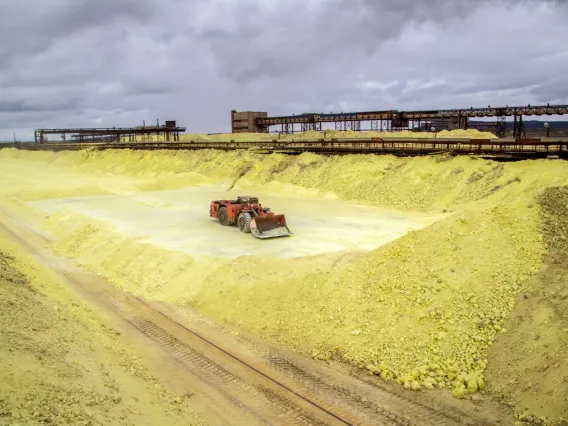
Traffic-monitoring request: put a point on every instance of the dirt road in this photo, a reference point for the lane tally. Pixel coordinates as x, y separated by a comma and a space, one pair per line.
241, 381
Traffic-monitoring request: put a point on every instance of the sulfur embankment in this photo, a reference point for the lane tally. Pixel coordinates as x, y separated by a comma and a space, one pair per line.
423, 310
529, 365
62, 364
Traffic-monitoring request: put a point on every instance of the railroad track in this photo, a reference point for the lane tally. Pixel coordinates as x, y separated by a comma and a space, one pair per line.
285, 393
263, 395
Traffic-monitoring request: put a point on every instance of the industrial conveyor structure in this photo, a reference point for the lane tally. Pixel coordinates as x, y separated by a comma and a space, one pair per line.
169, 130
499, 148
394, 120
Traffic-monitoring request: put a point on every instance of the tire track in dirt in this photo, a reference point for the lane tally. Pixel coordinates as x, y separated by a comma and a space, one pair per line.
256, 399
414, 413
266, 394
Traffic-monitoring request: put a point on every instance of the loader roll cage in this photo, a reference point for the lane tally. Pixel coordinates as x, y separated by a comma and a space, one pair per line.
247, 200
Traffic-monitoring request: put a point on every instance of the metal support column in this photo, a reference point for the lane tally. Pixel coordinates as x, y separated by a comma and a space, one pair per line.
518, 127
500, 127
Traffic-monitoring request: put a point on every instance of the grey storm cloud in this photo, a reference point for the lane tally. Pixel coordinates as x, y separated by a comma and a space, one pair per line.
114, 63
30, 26
298, 37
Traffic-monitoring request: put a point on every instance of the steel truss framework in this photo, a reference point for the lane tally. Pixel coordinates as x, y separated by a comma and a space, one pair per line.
390, 120
115, 134
354, 125
306, 127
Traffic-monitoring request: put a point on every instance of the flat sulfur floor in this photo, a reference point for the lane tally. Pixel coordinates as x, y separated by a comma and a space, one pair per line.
179, 220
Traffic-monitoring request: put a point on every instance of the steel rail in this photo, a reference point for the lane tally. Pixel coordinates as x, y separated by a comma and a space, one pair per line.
244, 363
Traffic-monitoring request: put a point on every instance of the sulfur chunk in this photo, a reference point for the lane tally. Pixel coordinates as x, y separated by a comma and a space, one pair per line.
429, 385
458, 393
472, 384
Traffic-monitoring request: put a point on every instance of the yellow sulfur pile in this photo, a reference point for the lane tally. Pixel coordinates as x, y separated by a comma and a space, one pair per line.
422, 310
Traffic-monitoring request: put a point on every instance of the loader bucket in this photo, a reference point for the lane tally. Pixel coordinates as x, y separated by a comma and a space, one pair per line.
269, 227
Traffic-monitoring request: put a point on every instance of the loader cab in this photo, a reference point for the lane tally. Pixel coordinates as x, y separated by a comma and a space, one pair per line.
247, 200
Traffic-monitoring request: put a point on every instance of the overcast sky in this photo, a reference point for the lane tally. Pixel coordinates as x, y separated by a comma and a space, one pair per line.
84, 63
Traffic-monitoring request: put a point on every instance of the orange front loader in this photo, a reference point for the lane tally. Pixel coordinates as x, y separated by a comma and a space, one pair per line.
249, 215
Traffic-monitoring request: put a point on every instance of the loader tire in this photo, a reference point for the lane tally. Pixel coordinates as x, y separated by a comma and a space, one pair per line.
244, 222
223, 216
